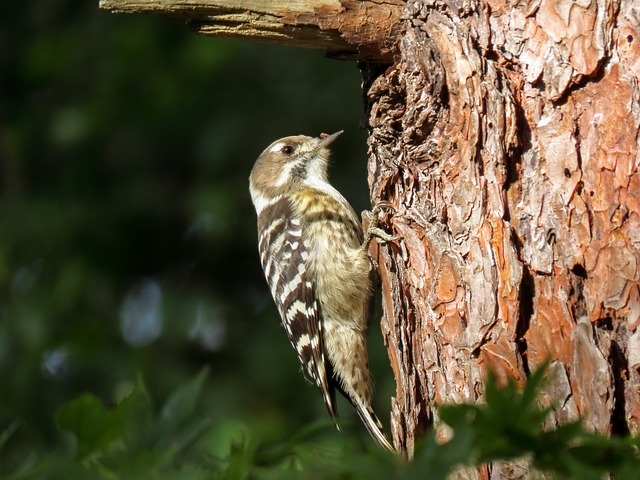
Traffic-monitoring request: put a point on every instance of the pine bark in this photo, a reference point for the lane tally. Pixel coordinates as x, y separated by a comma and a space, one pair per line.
506, 137
349, 29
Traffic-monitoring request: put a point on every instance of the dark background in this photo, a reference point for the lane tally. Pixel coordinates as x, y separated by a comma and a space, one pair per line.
127, 235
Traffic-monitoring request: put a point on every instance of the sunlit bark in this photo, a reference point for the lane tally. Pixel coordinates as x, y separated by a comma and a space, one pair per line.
506, 137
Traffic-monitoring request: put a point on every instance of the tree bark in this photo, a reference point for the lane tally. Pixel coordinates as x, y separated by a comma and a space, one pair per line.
506, 137
354, 29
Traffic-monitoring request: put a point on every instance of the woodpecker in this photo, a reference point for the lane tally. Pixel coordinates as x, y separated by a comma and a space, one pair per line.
314, 256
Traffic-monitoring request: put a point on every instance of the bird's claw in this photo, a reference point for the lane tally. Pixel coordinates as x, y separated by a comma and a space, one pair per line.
374, 231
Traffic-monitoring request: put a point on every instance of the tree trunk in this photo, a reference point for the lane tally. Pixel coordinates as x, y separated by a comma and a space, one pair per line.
506, 137
507, 141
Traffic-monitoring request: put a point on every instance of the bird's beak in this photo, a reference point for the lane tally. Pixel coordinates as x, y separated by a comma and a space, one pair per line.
328, 140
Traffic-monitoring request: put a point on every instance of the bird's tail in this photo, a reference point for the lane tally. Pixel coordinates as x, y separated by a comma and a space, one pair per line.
373, 425
329, 396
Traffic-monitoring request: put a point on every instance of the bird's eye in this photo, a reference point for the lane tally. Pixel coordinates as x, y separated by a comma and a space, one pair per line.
287, 150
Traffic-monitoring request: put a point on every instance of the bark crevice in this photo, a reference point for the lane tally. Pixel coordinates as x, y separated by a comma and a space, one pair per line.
526, 297
620, 369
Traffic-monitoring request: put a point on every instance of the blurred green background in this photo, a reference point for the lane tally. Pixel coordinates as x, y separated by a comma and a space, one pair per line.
127, 235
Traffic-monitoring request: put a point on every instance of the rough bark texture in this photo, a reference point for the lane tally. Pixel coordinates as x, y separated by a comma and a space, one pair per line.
506, 136
356, 29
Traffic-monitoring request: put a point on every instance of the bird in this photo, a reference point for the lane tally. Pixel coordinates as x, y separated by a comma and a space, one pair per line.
314, 254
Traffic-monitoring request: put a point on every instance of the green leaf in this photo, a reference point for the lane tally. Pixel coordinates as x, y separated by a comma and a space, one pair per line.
8, 432
535, 383
98, 429
86, 418
239, 461
181, 404
178, 409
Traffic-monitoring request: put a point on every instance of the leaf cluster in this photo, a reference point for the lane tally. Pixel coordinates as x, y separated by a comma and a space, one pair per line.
129, 440
509, 426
